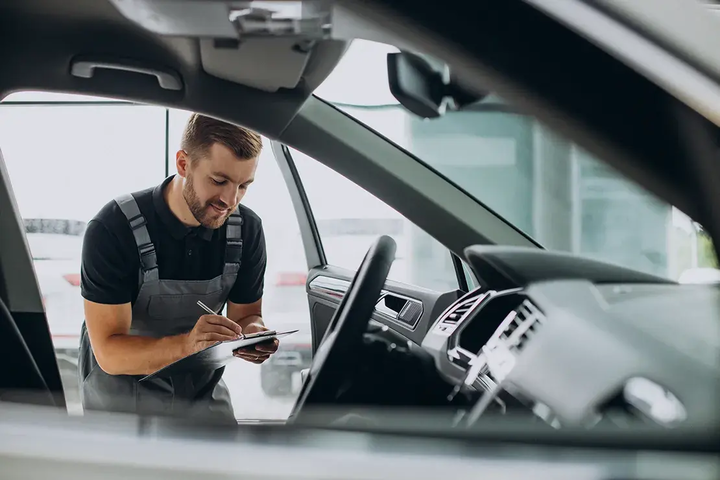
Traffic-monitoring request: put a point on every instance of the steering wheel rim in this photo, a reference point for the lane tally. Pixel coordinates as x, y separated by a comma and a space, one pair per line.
338, 351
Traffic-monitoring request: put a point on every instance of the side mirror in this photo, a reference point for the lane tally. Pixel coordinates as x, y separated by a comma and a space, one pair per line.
423, 90
303, 375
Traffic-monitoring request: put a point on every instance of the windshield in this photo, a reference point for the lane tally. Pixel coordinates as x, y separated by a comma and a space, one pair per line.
545, 186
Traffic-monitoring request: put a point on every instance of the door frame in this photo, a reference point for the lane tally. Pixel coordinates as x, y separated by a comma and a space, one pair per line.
309, 232
312, 244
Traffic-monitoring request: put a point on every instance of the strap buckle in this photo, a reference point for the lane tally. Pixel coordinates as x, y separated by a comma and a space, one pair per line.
235, 219
137, 221
148, 257
233, 251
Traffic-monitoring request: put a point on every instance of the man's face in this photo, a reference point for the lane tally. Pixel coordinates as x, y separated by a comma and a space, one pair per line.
215, 184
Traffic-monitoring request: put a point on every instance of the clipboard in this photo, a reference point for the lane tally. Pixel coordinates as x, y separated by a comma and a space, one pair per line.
215, 356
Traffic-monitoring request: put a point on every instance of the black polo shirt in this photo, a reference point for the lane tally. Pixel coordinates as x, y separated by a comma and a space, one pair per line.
110, 260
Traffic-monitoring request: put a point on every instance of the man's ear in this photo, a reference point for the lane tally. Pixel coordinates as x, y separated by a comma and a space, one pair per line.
182, 163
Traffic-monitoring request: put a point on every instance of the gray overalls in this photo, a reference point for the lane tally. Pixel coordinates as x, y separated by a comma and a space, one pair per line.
163, 308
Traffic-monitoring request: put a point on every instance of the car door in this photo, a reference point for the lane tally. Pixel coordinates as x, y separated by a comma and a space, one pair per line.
339, 221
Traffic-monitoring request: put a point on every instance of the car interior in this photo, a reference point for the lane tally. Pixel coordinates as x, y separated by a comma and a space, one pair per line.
554, 341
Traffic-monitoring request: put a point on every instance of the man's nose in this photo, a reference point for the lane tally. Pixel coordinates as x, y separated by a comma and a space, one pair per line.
230, 196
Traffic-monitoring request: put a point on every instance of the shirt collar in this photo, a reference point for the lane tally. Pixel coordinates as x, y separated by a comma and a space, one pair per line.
176, 228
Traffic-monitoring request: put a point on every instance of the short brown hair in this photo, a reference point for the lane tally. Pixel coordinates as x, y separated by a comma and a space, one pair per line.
201, 132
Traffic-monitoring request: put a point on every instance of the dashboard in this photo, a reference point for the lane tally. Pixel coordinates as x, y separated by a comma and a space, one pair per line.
579, 342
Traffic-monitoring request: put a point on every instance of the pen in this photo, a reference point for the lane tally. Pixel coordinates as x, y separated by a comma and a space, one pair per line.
206, 308
211, 312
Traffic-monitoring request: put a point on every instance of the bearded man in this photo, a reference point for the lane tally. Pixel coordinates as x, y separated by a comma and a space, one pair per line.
149, 256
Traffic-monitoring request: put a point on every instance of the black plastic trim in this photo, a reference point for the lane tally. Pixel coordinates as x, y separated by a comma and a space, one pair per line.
302, 196
503, 268
460, 273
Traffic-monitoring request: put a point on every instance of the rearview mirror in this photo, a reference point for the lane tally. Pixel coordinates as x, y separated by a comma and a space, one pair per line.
422, 89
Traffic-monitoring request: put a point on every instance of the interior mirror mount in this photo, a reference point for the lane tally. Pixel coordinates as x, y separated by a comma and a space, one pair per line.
422, 89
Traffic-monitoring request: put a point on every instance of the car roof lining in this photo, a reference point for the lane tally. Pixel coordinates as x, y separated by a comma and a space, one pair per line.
697, 40
41, 39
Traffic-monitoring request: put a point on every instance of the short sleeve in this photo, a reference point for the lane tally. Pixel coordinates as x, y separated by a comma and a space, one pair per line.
108, 274
250, 281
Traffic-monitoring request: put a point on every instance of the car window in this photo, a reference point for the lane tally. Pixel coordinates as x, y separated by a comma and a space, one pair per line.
81, 152
544, 185
349, 219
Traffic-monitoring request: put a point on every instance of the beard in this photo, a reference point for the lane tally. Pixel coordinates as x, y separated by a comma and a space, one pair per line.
203, 211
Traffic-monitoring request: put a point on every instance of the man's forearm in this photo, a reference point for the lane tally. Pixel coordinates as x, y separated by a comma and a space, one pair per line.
250, 319
136, 355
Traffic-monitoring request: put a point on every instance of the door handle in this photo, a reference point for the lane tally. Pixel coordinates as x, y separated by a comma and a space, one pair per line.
85, 68
390, 305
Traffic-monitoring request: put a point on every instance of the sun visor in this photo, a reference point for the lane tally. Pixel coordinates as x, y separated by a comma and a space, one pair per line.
271, 63
267, 45
242, 20
231, 61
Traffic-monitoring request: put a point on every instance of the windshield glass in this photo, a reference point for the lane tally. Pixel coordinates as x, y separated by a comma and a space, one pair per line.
547, 187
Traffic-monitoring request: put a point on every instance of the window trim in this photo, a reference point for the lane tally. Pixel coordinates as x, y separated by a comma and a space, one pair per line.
167, 142
310, 233
460, 272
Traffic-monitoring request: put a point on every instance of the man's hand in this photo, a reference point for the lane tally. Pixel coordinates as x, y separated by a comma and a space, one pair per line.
259, 352
120, 353
210, 330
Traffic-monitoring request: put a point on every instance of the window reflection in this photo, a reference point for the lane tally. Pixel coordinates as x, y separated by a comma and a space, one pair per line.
542, 184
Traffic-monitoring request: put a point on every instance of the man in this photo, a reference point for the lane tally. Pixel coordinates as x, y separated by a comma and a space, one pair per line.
150, 256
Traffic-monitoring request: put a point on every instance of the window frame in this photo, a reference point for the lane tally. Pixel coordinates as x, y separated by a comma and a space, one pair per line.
312, 240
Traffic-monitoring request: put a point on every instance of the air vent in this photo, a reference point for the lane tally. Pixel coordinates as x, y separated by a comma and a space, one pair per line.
457, 312
520, 325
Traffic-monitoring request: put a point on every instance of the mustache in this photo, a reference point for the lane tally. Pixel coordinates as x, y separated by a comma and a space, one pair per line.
219, 204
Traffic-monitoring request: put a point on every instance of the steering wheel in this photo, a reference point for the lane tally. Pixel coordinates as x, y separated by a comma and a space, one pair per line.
339, 350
